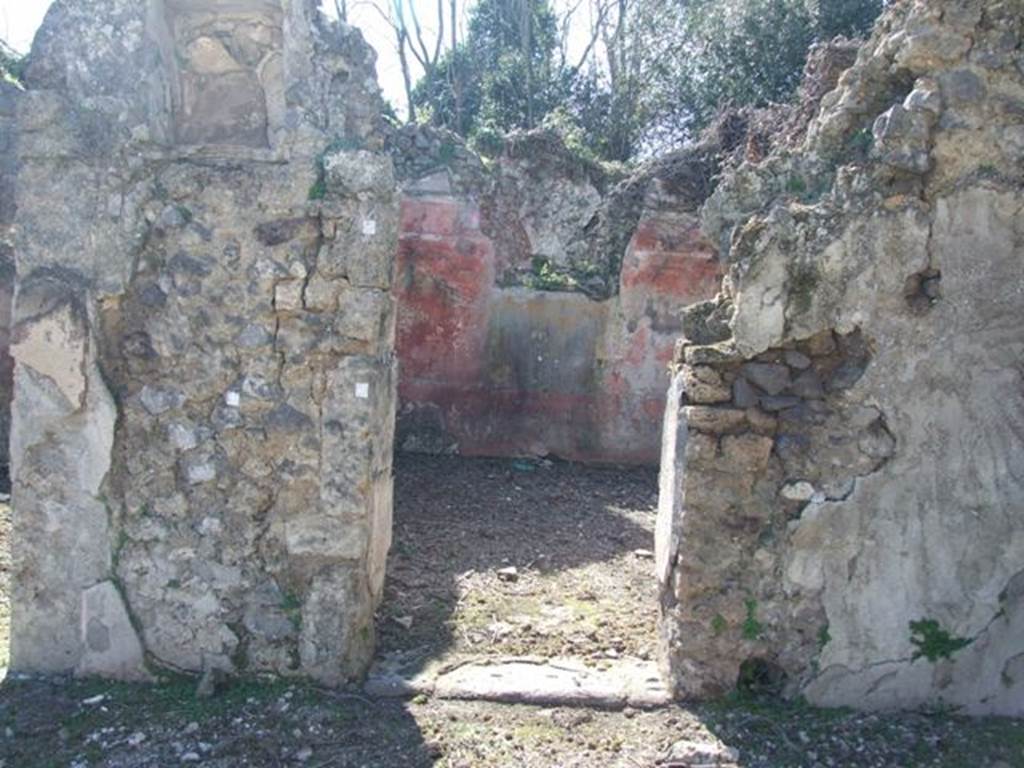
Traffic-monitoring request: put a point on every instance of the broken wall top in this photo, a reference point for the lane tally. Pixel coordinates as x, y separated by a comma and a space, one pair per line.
122, 87
145, 71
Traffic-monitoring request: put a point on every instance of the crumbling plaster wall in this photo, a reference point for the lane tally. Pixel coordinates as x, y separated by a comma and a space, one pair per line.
841, 488
204, 384
539, 300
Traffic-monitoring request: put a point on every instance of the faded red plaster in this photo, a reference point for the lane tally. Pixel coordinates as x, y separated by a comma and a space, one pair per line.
513, 372
441, 286
672, 258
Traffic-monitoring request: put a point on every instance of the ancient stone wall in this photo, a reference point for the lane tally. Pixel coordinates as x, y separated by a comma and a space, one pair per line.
841, 487
9, 95
204, 384
538, 300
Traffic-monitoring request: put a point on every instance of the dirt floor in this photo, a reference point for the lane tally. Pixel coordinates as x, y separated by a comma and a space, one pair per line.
572, 534
505, 558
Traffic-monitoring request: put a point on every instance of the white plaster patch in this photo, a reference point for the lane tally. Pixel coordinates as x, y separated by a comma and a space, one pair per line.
55, 347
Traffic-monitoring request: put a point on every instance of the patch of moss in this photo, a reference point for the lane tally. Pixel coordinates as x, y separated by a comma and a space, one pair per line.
718, 624
544, 276
803, 281
292, 607
447, 152
119, 544
933, 642
340, 144
859, 144
752, 628
824, 638
319, 189
796, 185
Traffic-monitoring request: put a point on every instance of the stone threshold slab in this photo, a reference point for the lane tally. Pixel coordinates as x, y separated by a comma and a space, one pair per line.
527, 680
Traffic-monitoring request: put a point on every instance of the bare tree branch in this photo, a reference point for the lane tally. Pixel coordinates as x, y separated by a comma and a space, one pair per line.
603, 9
424, 57
393, 18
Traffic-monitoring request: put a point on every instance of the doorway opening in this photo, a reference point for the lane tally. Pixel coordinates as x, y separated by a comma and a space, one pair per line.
535, 326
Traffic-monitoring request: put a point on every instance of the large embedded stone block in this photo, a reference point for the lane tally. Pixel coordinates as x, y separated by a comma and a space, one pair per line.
61, 446
111, 645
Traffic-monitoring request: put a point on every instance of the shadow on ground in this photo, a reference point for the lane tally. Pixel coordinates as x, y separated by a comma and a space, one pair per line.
510, 558
46, 723
59, 722
95, 724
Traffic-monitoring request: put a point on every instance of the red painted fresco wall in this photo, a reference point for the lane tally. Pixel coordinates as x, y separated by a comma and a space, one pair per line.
491, 371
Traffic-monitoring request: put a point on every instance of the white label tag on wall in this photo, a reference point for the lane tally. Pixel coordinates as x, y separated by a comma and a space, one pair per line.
362, 390
233, 399
369, 227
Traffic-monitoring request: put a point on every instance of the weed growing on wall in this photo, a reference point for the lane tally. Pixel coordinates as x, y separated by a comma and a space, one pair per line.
933, 642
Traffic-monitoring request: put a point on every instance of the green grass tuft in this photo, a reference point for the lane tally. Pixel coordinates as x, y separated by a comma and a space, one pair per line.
752, 628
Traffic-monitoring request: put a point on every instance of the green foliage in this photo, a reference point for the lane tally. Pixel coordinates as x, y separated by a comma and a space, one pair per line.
669, 69
545, 277
718, 624
498, 77
803, 281
850, 18
447, 152
745, 52
859, 144
12, 64
741, 52
933, 642
292, 607
752, 628
487, 141
796, 185
824, 638
318, 191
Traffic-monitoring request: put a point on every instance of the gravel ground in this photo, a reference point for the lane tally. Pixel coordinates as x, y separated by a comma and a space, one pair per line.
458, 522
48, 723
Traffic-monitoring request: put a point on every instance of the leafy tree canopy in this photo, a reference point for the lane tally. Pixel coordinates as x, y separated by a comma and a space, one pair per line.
11, 63
656, 71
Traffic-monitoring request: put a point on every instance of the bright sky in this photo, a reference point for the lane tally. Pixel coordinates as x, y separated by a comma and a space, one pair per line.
19, 20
